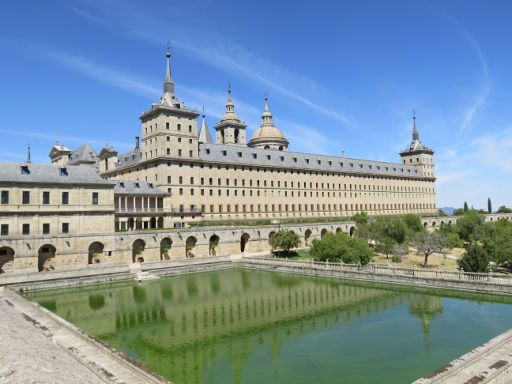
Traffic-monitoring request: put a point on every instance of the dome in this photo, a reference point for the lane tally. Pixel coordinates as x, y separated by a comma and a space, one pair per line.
267, 132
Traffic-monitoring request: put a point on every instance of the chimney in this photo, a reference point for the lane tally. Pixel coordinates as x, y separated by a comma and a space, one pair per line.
136, 142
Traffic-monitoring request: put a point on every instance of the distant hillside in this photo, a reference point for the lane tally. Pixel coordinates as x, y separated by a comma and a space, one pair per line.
448, 210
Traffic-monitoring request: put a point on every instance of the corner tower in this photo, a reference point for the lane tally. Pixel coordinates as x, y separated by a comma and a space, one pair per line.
230, 129
169, 128
418, 154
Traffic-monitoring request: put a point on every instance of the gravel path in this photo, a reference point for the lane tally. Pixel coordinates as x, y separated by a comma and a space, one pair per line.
28, 354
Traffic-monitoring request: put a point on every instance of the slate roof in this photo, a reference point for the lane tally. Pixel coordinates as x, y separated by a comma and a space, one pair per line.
51, 174
129, 187
83, 154
242, 155
128, 158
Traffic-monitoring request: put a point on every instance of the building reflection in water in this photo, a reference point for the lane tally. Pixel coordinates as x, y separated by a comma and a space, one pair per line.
183, 326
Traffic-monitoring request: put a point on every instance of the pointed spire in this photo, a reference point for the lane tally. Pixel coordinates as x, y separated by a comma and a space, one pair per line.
230, 108
29, 160
415, 133
168, 82
266, 116
204, 134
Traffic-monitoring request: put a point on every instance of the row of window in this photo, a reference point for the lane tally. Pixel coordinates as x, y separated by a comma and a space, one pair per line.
167, 126
304, 193
308, 207
25, 197
25, 229
362, 187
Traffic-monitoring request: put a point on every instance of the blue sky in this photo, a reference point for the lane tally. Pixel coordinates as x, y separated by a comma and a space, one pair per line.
340, 76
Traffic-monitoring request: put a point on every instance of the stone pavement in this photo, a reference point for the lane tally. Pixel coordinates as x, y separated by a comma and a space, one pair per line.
38, 347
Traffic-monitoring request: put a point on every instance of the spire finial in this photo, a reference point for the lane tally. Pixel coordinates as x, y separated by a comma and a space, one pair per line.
204, 114
168, 47
29, 160
266, 102
415, 133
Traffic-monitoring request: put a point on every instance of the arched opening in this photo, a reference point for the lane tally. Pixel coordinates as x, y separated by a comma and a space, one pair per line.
237, 136
271, 235
425, 224
213, 245
131, 224
351, 231
307, 235
190, 247
449, 222
160, 222
138, 223
244, 239
95, 252
152, 222
281, 147
323, 233
338, 230
44, 256
6, 258
433, 224
165, 248
266, 147
138, 250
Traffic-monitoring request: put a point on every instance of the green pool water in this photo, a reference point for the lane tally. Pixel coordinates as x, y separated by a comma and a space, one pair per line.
239, 326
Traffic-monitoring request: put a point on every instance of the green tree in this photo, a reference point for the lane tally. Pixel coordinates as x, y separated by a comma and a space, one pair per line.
413, 223
284, 240
337, 247
475, 259
498, 242
466, 206
388, 227
399, 252
452, 237
427, 243
470, 226
504, 209
360, 218
489, 205
386, 246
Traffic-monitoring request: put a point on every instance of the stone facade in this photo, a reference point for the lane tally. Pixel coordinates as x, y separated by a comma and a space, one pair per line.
232, 180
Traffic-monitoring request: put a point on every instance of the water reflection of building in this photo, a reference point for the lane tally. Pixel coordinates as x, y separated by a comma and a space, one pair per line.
182, 326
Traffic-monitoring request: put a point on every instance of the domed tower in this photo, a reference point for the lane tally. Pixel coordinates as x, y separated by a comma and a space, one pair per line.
418, 154
267, 136
230, 129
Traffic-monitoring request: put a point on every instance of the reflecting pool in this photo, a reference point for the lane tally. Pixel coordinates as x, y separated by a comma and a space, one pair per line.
239, 326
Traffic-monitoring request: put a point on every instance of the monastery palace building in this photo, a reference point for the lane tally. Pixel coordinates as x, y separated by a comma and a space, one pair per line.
177, 175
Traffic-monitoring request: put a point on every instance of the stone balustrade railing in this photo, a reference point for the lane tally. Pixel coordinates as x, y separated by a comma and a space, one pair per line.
376, 269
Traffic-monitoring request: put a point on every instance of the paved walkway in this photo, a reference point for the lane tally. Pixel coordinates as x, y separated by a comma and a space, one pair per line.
37, 347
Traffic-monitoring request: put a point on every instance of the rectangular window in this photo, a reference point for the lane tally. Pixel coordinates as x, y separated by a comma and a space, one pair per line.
65, 227
26, 197
46, 197
5, 197
95, 198
46, 228
65, 198
4, 231
25, 229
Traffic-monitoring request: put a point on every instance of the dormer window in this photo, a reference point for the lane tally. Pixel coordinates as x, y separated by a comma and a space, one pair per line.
254, 156
224, 153
319, 162
294, 159
239, 154
282, 158
307, 161
268, 157
150, 185
121, 184
207, 151
330, 163
25, 170
137, 185
63, 172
